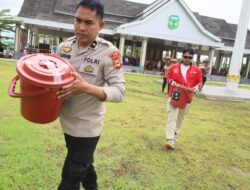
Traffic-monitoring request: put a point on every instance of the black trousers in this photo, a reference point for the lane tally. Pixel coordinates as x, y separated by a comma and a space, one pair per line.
78, 166
204, 79
164, 83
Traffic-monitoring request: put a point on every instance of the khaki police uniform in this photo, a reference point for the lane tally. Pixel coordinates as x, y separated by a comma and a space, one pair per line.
99, 64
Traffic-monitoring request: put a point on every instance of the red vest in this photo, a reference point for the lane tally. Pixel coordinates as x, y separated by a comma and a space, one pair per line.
193, 77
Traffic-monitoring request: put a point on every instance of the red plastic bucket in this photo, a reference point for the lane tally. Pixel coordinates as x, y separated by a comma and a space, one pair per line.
181, 96
40, 76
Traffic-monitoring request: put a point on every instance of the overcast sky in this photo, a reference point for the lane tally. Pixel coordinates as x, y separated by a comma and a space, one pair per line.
224, 9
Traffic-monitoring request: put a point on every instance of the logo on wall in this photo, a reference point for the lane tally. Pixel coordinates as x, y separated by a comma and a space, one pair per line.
173, 22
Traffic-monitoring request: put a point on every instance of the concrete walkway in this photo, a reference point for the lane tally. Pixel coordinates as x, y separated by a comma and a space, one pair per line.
216, 92
4, 59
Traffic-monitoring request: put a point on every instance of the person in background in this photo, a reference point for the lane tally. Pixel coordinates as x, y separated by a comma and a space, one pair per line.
96, 62
189, 75
173, 61
165, 71
205, 70
159, 65
25, 51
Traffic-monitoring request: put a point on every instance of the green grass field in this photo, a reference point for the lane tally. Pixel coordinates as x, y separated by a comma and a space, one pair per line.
213, 151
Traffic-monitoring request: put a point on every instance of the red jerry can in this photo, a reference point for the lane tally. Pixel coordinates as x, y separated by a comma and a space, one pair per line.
40, 76
181, 96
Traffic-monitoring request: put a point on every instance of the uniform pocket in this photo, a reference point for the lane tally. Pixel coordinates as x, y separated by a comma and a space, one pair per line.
89, 72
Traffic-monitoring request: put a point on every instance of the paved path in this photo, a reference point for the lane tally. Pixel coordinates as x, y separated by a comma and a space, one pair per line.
216, 92
4, 59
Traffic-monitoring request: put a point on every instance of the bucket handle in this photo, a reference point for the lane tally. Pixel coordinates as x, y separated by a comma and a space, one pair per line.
12, 93
184, 87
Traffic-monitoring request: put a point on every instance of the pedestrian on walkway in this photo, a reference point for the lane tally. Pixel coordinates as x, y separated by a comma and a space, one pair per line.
165, 71
96, 62
187, 74
204, 66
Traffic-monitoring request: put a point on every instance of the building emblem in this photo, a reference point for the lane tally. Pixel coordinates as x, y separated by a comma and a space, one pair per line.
173, 22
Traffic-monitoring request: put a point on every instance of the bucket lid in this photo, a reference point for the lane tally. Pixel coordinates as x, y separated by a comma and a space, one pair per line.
45, 70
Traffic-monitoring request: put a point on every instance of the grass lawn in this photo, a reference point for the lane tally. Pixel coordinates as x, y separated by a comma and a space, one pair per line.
213, 151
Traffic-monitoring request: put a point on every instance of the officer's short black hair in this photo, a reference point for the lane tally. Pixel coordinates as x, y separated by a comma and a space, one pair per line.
189, 50
94, 5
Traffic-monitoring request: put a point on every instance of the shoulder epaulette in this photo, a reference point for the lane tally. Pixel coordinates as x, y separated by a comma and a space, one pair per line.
103, 41
71, 38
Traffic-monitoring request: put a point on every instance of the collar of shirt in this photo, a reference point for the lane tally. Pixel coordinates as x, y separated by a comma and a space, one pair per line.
92, 46
184, 69
181, 63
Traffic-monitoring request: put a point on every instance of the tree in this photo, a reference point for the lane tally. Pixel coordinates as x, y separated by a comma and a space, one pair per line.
7, 23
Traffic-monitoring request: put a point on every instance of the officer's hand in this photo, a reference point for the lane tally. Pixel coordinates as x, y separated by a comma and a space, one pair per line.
76, 87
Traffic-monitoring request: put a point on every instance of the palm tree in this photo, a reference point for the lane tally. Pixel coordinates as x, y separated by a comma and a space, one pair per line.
7, 23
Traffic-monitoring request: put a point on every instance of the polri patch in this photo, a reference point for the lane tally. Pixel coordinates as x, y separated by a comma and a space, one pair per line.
116, 58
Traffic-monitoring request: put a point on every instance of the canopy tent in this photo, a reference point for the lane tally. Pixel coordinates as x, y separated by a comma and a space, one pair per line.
7, 42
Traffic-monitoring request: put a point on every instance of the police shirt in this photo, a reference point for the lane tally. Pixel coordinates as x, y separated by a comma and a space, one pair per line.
99, 64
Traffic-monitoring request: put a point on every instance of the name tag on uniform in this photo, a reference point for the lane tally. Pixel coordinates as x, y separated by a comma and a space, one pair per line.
64, 55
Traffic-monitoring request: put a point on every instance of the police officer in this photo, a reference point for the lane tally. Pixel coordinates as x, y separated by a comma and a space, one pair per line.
96, 62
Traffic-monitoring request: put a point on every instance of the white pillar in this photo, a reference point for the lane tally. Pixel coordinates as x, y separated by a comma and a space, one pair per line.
134, 49
121, 45
31, 39
17, 36
211, 59
173, 53
34, 40
115, 43
222, 60
248, 68
233, 77
198, 61
143, 53
38, 37
28, 38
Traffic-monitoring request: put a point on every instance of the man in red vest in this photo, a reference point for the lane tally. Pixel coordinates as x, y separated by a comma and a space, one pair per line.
189, 75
